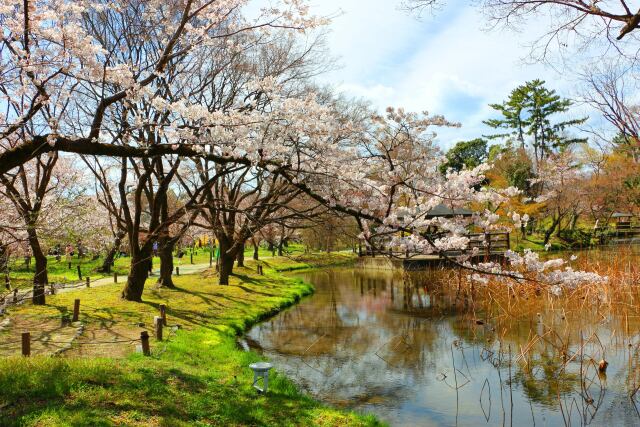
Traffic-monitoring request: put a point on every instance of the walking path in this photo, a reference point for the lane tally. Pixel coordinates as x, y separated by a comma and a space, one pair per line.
184, 270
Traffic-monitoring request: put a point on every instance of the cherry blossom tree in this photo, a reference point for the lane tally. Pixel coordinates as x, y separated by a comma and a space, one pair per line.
67, 65
40, 191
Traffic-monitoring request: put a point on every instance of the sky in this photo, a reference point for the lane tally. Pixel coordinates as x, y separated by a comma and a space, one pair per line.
446, 62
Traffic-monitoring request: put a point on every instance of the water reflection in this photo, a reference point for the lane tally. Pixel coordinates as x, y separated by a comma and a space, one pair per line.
419, 353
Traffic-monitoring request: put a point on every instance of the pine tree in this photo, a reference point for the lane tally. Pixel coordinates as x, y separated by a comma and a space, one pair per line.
527, 116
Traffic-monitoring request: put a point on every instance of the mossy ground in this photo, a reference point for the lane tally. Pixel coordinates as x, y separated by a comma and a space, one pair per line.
197, 377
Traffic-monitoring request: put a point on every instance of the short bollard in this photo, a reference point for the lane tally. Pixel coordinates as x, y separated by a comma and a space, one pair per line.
157, 323
76, 310
26, 344
144, 339
163, 314
261, 369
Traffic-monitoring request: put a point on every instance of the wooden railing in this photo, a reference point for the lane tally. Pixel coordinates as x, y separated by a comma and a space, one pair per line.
487, 243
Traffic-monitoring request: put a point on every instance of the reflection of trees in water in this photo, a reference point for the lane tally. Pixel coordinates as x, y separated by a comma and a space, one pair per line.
346, 341
544, 380
372, 336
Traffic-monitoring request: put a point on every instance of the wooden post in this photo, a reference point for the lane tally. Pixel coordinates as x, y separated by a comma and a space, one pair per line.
7, 281
157, 322
53, 289
76, 310
69, 265
26, 344
177, 271
210, 257
487, 246
191, 257
15, 296
88, 282
79, 273
144, 338
163, 314
115, 277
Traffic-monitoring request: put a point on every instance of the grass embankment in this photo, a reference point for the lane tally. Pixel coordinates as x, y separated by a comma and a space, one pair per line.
304, 261
196, 377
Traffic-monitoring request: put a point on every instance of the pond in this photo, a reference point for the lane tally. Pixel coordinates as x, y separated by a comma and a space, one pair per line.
406, 348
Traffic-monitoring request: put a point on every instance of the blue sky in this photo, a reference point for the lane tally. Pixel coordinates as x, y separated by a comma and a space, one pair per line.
446, 63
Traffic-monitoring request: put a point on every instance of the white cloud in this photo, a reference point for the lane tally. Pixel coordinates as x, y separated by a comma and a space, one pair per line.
444, 63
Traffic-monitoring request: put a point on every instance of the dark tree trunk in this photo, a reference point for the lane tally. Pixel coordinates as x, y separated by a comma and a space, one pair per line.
549, 232
140, 263
226, 260
4, 257
166, 263
111, 255
255, 251
280, 248
240, 256
271, 247
40, 279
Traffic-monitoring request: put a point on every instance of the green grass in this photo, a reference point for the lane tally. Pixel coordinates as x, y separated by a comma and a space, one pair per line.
197, 377
21, 275
311, 260
535, 242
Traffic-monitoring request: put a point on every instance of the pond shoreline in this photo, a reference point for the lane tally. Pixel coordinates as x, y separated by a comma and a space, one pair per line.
176, 384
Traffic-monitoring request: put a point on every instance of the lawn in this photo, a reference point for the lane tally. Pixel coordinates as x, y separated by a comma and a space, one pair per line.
196, 376
21, 274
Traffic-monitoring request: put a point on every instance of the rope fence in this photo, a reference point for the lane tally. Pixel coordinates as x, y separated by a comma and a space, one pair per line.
159, 322
16, 297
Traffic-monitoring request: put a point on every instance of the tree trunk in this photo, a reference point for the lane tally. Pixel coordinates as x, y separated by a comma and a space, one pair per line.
40, 279
111, 255
574, 222
166, 263
140, 262
4, 257
240, 256
255, 251
280, 248
226, 260
549, 232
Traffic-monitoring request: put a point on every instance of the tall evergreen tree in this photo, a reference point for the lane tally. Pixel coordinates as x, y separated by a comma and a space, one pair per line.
527, 117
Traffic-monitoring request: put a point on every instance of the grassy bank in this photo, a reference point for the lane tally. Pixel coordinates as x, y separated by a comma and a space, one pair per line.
304, 261
196, 377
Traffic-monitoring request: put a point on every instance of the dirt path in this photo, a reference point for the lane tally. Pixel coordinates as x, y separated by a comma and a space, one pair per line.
184, 270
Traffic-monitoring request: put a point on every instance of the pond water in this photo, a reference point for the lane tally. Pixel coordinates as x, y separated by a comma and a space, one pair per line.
408, 350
